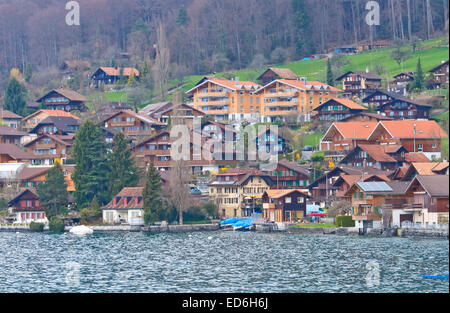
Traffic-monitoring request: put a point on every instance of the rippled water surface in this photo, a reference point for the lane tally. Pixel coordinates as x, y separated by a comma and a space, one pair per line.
219, 262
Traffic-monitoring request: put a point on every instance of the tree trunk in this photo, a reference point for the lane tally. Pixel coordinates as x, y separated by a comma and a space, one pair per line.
408, 5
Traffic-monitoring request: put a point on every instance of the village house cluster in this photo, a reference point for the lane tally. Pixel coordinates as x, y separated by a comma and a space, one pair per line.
387, 162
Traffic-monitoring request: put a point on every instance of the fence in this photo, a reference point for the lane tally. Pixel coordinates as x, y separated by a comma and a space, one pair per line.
410, 225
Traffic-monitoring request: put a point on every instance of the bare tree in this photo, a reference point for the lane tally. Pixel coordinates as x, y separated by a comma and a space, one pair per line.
162, 62
180, 178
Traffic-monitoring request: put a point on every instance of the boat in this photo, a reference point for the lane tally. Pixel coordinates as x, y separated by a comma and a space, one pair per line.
81, 230
243, 224
435, 276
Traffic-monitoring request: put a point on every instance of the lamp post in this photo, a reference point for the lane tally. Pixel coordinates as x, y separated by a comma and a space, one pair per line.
414, 137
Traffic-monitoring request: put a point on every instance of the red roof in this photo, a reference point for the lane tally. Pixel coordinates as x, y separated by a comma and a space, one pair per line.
354, 130
405, 129
112, 71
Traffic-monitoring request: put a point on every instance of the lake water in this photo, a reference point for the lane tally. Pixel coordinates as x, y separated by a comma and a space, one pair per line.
219, 262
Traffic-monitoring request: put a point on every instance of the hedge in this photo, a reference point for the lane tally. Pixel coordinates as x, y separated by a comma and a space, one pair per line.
56, 225
38, 227
344, 221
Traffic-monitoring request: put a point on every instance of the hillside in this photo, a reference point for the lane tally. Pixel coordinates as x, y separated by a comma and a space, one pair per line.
431, 53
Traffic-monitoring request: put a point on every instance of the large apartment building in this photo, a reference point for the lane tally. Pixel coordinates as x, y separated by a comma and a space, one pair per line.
284, 97
225, 100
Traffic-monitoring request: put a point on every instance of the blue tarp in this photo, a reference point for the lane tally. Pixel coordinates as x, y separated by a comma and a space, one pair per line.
243, 223
230, 221
306, 59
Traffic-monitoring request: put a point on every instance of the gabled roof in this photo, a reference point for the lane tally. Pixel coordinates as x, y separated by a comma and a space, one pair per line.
62, 123
146, 119
302, 85
9, 115
353, 130
69, 94
428, 168
405, 129
115, 71
225, 83
391, 94
283, 73
21, 193
343, 101
407, 100
416, 157
9, 131
64, 140
14, 152
32, 172
438, 66
294, 166
279, 193
133, 192
51, 113
434, 185
376, 116
375, 151
367, 75
410, 74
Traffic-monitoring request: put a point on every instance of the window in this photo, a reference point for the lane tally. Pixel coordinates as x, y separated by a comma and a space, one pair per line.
420, 147
287, 200
300, 199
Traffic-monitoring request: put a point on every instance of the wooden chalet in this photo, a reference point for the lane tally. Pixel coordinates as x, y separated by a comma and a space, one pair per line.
404, 108
366, 117
275, 73
439, 75
47, 147
379, 44
57, 125
33, 176
284, 205
287, 175
111, 75
338, 109
360, 83
27, 208
9, 118
403, 78
10, 153
10, 135
380, 97
387, 157
63, 99
31, 121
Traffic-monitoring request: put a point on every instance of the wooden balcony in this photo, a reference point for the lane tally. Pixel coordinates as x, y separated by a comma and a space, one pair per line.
213, 94
281, 104
367, 217
214, 103
280, 94
121, 124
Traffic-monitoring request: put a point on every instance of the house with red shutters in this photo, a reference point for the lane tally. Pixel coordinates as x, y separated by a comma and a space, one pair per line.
26, 207
125, 207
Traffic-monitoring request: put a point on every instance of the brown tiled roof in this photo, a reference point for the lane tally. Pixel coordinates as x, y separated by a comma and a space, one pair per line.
294, 166
9, 115
132, 192
14, 152
32, 190
355, 130
392, 148
9, 131
112, 71
278, 193
367, 75
427, 168
69, 94
434, 185
64, 140
405, 129
416, 157
31, 172
145, 118
284, 73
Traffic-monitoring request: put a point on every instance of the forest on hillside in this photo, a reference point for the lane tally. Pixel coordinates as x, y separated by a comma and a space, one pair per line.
201, 36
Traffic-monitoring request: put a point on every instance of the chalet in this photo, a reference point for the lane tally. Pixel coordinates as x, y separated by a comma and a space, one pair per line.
57, 125
275, 73
63, 99
404, 108
47, 147
337, 109
430, 204
426, 169
345, 181
26, 207
415, 135
368, 201
132, 124
287, 175
110, 108
236, 191
224, 99
157, 150
31, 121
284, 205
366, 117
379, 44
360, 83
381, 157
10, 135
10, 119
10, 153
283, 97
266, 139
111, 75
380, 97
125, 207
33, 176
165, 112
403, 78
440, 75
342, 137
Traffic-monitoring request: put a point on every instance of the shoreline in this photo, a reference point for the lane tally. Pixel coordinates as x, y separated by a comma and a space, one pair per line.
343, 231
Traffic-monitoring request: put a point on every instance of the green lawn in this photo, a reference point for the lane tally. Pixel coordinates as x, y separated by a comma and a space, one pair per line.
431, 53
314, 225
110, 96
440, 116
445, 147
312, 139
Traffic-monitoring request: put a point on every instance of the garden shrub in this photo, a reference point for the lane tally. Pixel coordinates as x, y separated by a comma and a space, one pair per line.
37, 227
56, 225
345, 221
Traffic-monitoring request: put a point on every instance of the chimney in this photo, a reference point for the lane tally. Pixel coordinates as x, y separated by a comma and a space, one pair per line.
237, 80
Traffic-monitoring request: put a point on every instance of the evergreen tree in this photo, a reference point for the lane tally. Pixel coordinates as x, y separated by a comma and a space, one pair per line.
419, 77
28, 73
153, 210
122, 172
302, 33
145, 69
53, 196
182, 17
330, 76
15, 95
91, 169
131, 79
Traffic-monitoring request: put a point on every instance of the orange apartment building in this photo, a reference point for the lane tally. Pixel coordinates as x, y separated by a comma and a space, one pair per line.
225, 100
284, 97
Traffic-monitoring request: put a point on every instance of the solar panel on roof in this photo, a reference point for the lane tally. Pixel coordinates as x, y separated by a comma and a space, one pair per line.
375, 186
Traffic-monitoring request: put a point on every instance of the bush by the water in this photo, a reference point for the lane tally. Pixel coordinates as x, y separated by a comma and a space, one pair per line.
38, 227
56, 225
344, 221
